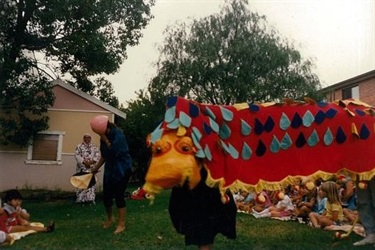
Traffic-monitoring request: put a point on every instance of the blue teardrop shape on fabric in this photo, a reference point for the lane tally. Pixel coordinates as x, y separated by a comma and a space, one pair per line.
224, 131
207, 152
301, 141
328, 137
261, 149
253, 107
319, 117
286, 142
360, 112
185, 119
322, 104
284, 122
245, 128
210, 113
193, 110
197, 133
214, 125
200, 154
331, 113
174, 124
156, 135
296, 121
340, 136
233, 151
225, 147
227, 114
307, 119
268, 126
196, 141
275, 145
172, 100
258, 128
207, 129
313, 139
364, 133
246, 151
170, 114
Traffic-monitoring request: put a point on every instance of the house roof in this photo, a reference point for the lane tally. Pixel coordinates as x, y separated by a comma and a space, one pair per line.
350, 81
88, 97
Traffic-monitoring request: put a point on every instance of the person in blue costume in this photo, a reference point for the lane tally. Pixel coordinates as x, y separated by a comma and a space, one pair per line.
117, 171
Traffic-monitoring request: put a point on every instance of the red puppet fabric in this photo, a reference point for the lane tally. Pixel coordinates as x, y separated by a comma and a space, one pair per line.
270, 145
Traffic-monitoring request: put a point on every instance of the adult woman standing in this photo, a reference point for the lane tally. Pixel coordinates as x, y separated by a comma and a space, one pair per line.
117, 171
86, 154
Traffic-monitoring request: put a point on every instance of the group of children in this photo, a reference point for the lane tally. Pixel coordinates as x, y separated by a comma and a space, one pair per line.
318, 204
13, 218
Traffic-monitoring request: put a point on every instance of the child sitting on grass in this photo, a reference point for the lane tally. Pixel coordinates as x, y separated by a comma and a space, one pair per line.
10, 215
308, 199
334, 213
283, 208
262, 201
245, 201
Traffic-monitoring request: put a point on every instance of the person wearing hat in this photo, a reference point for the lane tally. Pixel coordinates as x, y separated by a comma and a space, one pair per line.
86, 154
117, 168
308, 199
283, 208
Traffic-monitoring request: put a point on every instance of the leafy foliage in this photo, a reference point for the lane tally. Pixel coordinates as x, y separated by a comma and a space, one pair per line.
232, 57
142, 116
76, 39
225, 58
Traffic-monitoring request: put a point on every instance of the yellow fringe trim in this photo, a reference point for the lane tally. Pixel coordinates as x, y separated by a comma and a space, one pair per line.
289, 180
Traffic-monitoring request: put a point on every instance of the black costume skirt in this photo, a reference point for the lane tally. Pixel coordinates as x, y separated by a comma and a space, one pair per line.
200, 215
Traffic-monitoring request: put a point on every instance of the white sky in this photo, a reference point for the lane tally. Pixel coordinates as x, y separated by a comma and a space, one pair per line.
338, 35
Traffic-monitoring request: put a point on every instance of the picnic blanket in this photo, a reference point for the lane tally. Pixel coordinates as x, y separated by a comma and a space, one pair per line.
358, 228
19, 235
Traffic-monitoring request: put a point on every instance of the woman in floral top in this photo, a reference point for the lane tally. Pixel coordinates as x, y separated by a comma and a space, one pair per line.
87, 154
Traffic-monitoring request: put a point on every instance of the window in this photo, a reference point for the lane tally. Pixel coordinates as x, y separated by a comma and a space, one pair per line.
352, 92
45, 148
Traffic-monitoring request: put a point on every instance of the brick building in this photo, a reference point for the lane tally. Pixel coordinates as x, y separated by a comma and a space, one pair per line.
360, 87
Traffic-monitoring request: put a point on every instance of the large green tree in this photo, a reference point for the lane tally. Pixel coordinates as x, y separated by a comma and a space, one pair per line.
230, 57
225, 58
72, 39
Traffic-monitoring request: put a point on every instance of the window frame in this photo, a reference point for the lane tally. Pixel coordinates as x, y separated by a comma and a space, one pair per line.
351, 92
58, 161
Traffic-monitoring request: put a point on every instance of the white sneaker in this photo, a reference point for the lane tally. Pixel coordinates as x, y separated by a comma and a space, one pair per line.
369, 239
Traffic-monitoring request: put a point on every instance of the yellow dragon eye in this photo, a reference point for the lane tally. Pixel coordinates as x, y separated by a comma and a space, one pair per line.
160, 147
185, 146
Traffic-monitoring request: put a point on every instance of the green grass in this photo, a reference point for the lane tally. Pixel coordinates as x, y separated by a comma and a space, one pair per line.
149, 227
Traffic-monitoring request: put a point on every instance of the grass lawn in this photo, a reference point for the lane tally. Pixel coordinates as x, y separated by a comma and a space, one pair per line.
149, 227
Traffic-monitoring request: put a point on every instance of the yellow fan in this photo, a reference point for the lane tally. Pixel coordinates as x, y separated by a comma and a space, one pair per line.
83, 180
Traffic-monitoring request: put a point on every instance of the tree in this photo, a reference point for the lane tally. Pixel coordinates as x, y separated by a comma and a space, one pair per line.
225, 58
143, 115
232, 57
76, 39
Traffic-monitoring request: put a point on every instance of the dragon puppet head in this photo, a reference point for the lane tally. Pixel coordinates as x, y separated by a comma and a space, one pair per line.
173, 163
